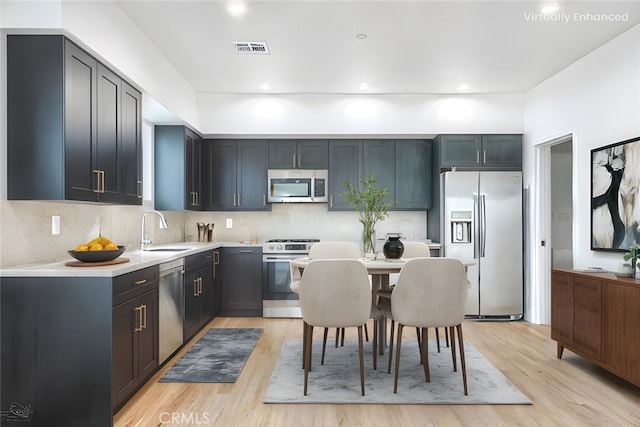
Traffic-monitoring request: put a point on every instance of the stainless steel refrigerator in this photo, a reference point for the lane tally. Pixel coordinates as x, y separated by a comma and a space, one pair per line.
481, 221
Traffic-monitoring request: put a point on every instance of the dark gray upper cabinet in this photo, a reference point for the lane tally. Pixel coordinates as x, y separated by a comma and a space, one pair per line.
379, 158
500, 152
413, 177
67, 115
403, 166
292, 154
236, 175
178, 169
345, 160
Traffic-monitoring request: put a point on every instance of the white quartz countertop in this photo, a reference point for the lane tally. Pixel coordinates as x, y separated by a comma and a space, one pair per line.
138, 259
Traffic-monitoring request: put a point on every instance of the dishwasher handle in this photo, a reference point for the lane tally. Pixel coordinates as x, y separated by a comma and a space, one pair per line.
179, 270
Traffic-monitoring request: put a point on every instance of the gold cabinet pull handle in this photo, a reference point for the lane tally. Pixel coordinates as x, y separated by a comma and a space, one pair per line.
138, 326
97, 172
239, 199
484, 156
143, 308
294, 160
102, 181
139, 189
140, 282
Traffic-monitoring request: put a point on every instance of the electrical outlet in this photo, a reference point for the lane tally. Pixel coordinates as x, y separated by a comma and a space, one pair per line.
55, 225
229, 222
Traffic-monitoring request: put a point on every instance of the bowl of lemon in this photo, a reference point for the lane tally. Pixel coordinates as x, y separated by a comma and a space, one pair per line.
99, 249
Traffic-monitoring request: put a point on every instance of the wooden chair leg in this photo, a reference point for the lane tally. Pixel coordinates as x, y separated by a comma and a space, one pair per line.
361, 352
307, 363
366, 333
453, 349
424, 355
304, 341
438, 339
393, 324
446, 336
324, 344
342, 337
462, 361
419, 338
399, 343
375, 344
337, 336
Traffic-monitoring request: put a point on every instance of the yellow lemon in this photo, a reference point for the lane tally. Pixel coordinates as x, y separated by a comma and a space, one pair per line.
96, 247
82, 248
110, 247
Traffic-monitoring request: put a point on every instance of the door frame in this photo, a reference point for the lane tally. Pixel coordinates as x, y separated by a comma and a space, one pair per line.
540, 292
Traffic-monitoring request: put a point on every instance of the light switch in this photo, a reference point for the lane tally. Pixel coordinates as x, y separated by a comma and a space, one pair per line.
229, 222
55, 225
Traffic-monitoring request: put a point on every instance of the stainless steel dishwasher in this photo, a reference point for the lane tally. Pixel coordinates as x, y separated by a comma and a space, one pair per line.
171, 310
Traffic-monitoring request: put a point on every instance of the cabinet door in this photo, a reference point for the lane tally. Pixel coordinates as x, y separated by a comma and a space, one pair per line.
562, 307
124, 356
502, 151
344, 166
131, 146
215, 281
207, 295
379, 158
587, 320
460, 150
81, 182
221, 165
251, 180
413, 174
193, 171
148, 336
312, 154
109, 87
282, 154
241, 290
191, 303
621, 335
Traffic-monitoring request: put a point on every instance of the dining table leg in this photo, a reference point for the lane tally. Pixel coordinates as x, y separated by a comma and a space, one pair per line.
380, 281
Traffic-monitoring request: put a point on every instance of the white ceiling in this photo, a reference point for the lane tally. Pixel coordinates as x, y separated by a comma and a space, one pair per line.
411, 46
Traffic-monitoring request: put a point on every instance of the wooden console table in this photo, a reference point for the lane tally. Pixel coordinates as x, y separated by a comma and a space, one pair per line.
597, 315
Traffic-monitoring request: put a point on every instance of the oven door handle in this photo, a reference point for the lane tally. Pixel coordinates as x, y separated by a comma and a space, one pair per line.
279, 258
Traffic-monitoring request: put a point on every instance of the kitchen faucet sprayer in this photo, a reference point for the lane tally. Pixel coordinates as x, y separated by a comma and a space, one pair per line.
163, 224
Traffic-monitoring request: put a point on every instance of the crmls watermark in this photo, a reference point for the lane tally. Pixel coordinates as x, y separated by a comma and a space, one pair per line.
576, 17
178, 418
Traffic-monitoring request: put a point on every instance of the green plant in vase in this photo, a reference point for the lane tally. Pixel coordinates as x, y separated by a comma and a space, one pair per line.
368, 200
633, 256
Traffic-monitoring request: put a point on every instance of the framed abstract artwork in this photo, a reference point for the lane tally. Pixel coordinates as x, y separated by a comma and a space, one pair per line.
615, 196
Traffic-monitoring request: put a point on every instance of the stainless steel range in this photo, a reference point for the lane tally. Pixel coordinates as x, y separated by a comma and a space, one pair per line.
277, 298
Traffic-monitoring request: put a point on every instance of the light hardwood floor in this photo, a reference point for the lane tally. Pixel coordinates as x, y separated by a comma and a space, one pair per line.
566, 392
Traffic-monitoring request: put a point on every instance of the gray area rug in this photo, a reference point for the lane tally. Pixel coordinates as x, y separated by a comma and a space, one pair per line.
338, 380
217, 357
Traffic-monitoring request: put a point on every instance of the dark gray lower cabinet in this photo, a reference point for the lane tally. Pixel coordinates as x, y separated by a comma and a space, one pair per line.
73, 349
241, 287
198, 292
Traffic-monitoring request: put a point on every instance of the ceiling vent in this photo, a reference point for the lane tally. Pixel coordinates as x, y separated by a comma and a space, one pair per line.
251, 48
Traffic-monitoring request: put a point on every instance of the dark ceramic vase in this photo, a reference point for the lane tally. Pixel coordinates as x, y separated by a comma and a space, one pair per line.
393, 247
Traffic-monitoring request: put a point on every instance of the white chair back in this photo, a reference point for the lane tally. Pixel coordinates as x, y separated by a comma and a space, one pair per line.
335, 293
334, 250
416, 250
431, 292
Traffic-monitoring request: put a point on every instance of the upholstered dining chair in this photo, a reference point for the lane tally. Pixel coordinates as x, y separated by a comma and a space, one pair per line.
334, 294
431, 293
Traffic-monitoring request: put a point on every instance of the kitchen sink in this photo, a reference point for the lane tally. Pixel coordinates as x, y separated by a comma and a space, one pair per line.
165, 249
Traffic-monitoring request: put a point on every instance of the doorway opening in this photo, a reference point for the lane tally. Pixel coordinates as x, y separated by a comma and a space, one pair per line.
562, 205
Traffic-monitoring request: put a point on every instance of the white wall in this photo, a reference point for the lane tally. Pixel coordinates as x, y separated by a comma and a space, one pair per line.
354, 115
598, 100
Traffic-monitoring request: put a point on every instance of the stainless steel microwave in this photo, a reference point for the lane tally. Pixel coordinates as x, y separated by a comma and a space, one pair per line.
297, 186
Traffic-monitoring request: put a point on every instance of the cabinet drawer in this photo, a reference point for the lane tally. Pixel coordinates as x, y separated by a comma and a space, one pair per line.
196, 261
133, 284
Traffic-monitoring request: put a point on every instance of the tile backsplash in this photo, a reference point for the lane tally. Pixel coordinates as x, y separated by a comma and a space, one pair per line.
25, 227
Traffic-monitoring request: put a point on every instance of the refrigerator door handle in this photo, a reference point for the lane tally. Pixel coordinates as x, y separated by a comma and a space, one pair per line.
483, 229
476, 234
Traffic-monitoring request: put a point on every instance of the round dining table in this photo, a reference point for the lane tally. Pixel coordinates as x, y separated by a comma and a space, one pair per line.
379, 270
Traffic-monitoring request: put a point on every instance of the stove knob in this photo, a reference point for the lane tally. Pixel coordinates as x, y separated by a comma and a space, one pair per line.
279, 247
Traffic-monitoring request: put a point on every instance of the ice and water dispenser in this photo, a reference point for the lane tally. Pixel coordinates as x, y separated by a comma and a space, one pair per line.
461, 226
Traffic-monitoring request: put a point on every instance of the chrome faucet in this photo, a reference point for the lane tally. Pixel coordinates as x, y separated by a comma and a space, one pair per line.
163, 224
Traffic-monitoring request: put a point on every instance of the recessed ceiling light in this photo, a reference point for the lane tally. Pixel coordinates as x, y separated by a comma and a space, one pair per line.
265, 86
464, 86
550, 8
361, 36
236, 7
365, 87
